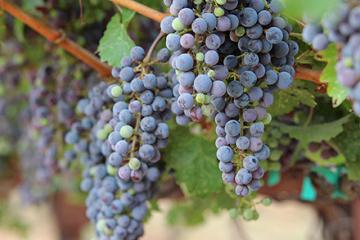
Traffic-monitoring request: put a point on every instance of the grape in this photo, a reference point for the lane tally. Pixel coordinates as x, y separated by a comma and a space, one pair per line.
126, 74
243, 143
251, 59
232, 128
163, 55
255, 144
137, 53
213, 41
274, 35
210, 20
251, 163
177, 25
320, 42
248, 17
211, 58
186, 79
284, 80
257, 129
187, 41
265, 17
234, 89
255, 32
226, 167
185, 101
184, 62
173, 42
310, 31
276, 6
186, 16
166, 24
255, 94
225, 154
241, 190
137, 85
243, 177
230, 61
223, 24
182, 120
202, 83
354, 18
248, 79
199, 26
218, 89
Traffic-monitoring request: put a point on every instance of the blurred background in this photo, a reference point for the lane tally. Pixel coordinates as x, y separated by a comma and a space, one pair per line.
281, 221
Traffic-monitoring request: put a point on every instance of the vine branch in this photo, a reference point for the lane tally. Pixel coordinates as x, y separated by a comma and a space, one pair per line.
57, 37
141, 9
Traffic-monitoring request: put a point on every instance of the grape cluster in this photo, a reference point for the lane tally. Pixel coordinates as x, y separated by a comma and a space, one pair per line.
281, 147
38, 147
341, 26
229, 57
126, 122
50, 110
12, 98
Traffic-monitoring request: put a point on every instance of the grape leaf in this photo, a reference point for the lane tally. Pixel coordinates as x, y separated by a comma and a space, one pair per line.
115, 43
192, 211
31, 5
194, 160
287, 100
348, 141
126, 16
335, 90
353, 169
315, 9
316, 132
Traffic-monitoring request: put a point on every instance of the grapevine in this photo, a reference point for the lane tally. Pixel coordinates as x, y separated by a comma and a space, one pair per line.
211, 105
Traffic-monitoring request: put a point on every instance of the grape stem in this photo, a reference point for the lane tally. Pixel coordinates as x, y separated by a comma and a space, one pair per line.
57, 37
135, 137
153, 46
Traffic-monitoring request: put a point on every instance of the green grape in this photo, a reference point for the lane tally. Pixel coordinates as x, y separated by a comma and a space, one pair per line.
134, 163
126, 131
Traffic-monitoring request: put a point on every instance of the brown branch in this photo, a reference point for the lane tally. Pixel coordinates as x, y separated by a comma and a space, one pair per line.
141, 9
308, 74
57, 37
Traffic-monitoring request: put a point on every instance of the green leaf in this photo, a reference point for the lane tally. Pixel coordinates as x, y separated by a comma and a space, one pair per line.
335, 90
31, 5
353, 170
126, 16
316, 132
116, 43
194, 160
287, 100
192, 211
349, 144
311, 8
